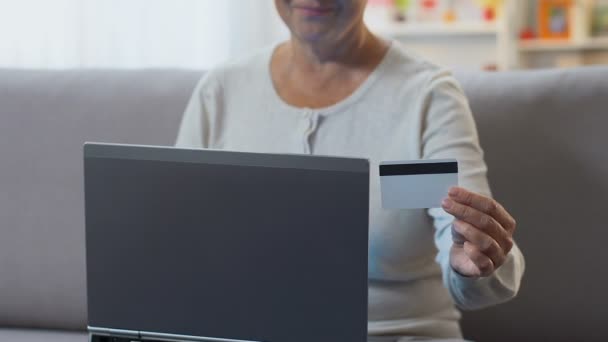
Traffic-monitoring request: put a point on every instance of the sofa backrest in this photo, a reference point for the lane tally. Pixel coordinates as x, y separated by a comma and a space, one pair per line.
543, 133
45, 117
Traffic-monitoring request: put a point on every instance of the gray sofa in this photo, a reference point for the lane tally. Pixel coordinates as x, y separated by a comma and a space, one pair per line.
545, 134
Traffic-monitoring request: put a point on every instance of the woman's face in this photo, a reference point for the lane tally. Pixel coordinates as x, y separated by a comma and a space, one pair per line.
321, 20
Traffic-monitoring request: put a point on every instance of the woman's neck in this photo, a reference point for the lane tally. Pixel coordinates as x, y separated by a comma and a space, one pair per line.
357, 48
317, 75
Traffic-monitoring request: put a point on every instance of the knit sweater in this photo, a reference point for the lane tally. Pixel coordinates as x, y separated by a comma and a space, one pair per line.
406, 109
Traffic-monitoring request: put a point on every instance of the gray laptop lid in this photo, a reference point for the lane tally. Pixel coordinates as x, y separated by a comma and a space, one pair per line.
229, 245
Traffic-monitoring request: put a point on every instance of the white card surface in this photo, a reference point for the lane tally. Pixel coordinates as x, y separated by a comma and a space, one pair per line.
417, 184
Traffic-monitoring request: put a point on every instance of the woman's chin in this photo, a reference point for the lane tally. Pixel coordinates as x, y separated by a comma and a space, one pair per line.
312, 35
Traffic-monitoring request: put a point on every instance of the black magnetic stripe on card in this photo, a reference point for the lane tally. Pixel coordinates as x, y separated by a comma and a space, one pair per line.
418, 169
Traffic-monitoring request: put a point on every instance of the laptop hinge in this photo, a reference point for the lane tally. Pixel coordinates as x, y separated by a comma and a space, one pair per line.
115, 332
125, 333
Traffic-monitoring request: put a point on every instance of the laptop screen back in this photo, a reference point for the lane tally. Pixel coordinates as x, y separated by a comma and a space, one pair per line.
227, 245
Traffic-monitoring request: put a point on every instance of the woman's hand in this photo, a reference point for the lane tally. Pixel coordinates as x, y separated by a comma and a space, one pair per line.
482, 233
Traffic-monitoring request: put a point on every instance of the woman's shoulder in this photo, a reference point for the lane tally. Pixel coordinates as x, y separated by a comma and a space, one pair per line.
405, 66
246, 69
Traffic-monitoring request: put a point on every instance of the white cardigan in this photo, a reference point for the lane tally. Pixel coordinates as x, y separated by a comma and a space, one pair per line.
406, 109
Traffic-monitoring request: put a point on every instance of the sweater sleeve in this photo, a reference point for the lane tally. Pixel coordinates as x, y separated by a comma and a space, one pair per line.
449, 131
194, 128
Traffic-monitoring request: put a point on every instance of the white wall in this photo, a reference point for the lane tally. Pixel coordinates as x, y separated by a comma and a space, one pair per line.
133, 33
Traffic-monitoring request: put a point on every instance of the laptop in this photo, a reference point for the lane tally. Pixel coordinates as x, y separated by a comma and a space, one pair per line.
210, 245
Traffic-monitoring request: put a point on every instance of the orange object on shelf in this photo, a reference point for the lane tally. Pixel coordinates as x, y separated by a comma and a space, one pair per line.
527, 34
555, 19
489, 14
449, 16
429, 4
490, 9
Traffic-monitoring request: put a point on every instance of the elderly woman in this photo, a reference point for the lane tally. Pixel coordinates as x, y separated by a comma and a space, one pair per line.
337, 89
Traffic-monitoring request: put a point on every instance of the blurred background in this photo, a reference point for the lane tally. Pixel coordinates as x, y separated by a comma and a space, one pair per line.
543, 134
463, 34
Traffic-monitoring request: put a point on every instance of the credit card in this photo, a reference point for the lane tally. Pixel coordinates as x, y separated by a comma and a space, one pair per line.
417, 184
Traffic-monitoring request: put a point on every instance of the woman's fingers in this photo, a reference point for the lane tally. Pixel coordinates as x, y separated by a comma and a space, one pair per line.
486, 227
483, 262
480, 221
481, 241
485, 205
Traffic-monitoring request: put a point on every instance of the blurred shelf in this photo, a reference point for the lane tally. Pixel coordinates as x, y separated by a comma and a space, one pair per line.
598, 43
414, 29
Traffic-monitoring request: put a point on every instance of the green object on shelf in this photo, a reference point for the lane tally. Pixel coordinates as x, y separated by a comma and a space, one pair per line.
600, 20
402, 4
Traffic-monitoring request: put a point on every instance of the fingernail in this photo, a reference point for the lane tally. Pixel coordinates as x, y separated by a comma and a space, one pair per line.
453, 192
447, 203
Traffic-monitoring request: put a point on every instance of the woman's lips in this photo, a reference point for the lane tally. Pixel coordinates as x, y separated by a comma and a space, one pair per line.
314, 11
